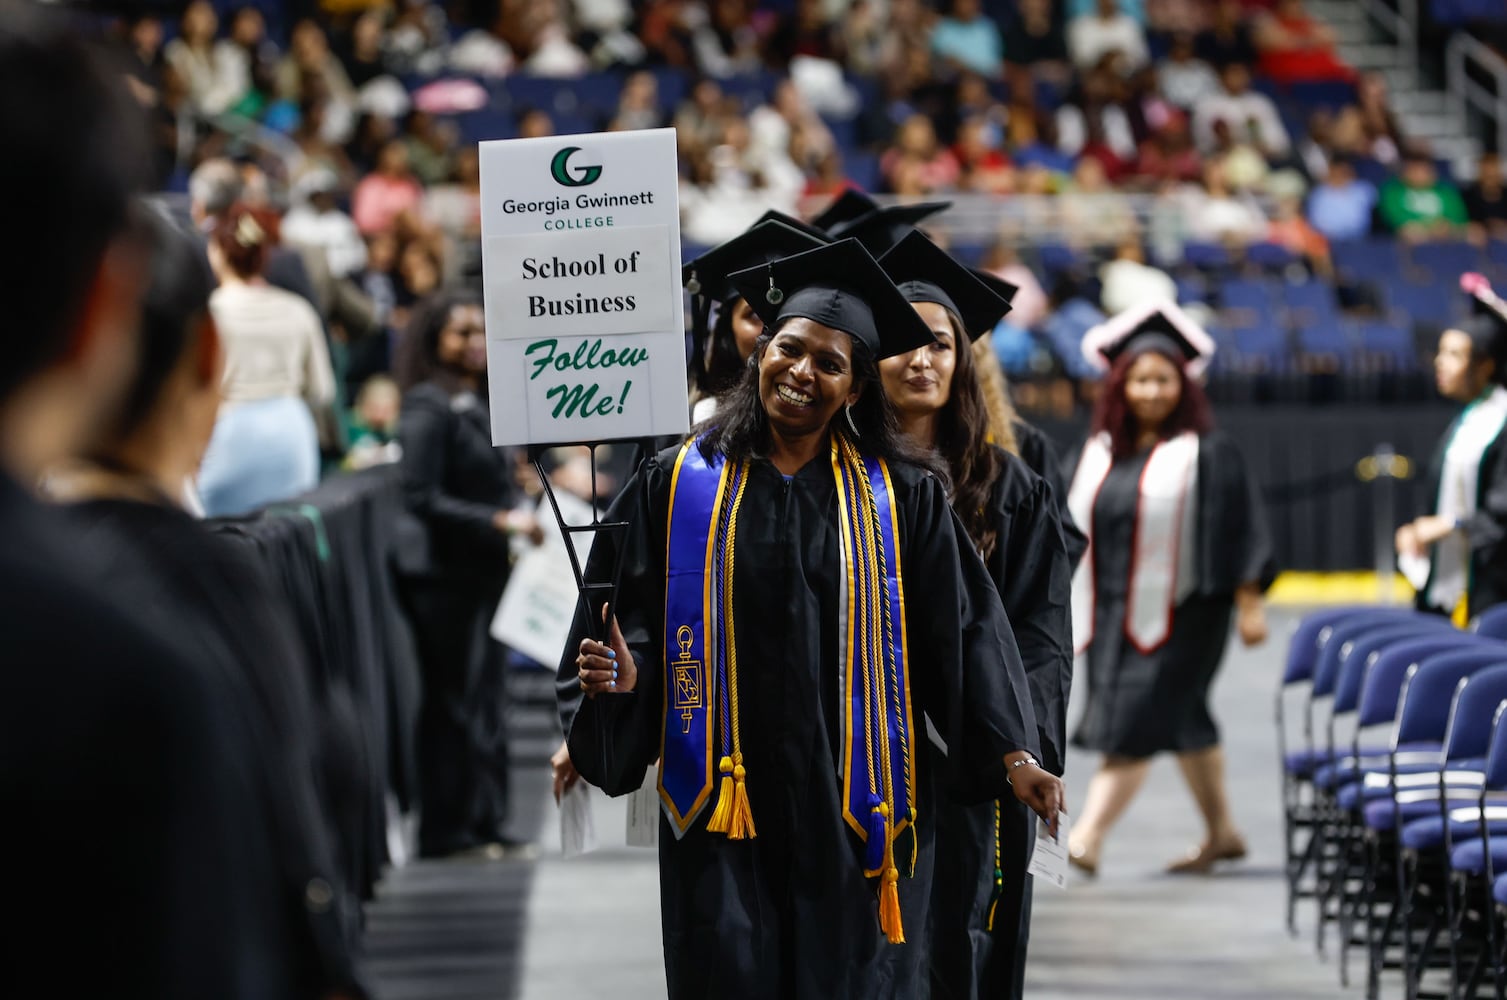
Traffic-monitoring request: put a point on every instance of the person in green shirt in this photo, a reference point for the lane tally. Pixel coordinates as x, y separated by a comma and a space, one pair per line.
1418, 204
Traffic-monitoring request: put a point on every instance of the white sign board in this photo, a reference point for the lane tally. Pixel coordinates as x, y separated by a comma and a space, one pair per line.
581, 274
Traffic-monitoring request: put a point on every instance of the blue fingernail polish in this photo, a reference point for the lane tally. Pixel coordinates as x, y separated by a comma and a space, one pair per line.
612, 684
614, 675
611, 654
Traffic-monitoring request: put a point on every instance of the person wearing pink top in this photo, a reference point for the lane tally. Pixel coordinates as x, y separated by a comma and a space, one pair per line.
387, 193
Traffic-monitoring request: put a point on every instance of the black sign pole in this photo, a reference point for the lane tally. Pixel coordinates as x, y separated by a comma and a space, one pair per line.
596, 622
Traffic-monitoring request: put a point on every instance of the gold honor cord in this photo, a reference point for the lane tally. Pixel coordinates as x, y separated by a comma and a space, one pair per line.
733, 815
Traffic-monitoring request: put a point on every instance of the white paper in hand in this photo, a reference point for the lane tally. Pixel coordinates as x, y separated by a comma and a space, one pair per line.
643, 811
1049, 860
577, 834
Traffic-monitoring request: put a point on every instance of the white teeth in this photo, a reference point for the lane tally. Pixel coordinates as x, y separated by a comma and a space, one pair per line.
792, 397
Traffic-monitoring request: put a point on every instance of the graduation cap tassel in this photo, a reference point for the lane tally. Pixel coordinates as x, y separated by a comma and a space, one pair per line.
889, 884
722, 815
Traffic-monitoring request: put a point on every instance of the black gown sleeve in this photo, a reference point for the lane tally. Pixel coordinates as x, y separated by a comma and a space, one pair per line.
1041, 457
1033, 573
424, 431
967, 674
1235, 544
613, 738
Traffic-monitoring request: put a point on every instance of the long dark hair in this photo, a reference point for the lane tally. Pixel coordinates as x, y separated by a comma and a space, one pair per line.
1112, 414
963, 442
1487, 343
417, 355
740, 428
720, 369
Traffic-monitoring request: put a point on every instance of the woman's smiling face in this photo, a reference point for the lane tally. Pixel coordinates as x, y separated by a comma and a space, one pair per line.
805, 377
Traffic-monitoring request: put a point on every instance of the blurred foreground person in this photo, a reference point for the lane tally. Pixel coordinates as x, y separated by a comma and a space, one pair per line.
1456, 555
796, 794
120, 822
1178, 548
126, 499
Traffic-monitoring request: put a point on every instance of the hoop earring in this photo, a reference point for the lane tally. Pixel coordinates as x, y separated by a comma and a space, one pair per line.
847, 411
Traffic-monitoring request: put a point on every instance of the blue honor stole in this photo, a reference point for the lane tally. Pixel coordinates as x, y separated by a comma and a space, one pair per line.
700, 659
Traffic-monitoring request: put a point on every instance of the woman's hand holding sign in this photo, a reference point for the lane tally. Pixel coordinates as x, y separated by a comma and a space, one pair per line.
609, 666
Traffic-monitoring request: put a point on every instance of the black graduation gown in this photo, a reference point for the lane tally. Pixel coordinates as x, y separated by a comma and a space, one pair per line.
789, 913
219, 601
454, 481
120, 783
1039, 454
1031, 570
1485, 530
1141, 704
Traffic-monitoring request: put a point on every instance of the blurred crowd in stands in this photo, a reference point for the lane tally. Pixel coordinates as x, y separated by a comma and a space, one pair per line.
1099, 150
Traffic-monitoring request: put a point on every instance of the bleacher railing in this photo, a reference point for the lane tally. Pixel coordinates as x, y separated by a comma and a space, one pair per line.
1477, 79
1398, 19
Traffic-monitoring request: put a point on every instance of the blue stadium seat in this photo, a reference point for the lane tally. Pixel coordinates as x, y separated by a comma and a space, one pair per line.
1262, 348
1444, 262
863, 169
1388, 341
1207, 256
1378, 260
485, 123
1310, 302
1435, 304
1270, 256
1248, 302
1331, 340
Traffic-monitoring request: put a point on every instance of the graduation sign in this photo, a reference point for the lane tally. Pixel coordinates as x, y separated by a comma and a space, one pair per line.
581, 274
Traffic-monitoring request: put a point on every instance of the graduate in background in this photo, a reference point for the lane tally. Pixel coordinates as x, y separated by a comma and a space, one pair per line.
1456, 556
1178, 544
795, 597
981, 893
719, 355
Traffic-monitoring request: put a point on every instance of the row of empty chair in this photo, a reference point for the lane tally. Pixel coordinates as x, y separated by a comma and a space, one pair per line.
1392, 729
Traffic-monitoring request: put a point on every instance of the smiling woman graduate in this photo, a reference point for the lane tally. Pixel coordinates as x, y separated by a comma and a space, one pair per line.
796, 599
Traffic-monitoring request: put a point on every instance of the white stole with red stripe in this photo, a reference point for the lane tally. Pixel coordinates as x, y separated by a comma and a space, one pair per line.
1161, 567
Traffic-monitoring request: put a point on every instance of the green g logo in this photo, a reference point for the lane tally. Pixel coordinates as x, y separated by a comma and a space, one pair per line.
559, 169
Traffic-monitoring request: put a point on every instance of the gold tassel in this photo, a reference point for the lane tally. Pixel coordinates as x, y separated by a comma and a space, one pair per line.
741, 825
720, 816
889, 886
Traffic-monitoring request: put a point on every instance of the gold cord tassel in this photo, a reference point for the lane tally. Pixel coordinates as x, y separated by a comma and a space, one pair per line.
742, 825
721, 815
889, 886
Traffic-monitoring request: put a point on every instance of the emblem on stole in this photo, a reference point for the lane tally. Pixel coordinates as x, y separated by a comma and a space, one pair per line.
688, 686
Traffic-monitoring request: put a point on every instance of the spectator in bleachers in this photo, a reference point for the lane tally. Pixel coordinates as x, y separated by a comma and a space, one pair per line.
1107, 30
1341, 207
966, 39
1094, 121
807, 31
315, 150
780, 128
1030, 137
362, 54
1217, 214
1295, 47
1036, 43
638, 104
1186, 80
431, 148
1249, 115
1227, 40
1092, 211
1169, 155
985, 167
1374, 105
277, 374
917, 163
454, 207
1486, 200
311, 71
247, 60
1290, 229
388, 194
316, 222
1128, 281
193, 55
1419, 204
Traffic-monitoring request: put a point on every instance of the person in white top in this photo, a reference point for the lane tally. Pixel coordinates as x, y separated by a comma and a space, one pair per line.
1250, 116
277, 367
1091, 37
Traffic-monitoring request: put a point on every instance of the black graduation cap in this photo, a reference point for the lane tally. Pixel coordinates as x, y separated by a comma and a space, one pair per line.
1485, 302
814, 231
846, 207
883, 227
1156, 323
766, 240
838, 285
924, 272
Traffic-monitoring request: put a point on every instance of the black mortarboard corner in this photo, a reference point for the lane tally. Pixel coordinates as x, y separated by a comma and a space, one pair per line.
882, 228
846, 207
839, 285
1157, 324
706, 277
924, 272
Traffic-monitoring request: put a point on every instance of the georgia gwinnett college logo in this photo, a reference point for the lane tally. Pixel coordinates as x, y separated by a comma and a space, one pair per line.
560, 170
